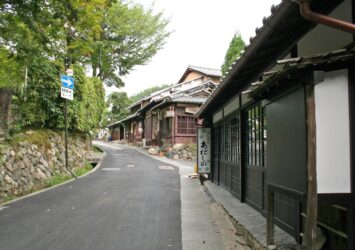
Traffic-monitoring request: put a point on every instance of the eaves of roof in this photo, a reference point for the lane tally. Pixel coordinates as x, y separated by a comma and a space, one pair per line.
149, 105
124, 119
294, 65
272, 42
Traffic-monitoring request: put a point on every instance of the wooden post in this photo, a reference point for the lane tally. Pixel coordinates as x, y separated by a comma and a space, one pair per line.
270, 240
311, 219
350, 226
173, 127
241, 150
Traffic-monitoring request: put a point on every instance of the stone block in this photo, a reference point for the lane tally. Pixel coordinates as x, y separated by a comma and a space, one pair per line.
39, 175
8, 166
153, 151
8, 179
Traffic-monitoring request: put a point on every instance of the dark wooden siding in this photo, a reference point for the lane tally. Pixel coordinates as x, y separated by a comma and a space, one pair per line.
148, 128
216, 151
286, 155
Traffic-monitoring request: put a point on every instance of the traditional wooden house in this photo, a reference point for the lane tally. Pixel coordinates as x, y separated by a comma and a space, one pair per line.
153, 120
129, 128
283, 122
169, 119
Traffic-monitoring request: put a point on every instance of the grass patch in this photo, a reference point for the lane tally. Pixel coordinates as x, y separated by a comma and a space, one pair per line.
60, 178
9, 198
57, 179
81, 171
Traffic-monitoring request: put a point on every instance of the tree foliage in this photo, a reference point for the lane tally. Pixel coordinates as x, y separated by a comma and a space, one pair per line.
89, 104
118, 102
130, 36
44, 107
235, 47
46, 36
11, 73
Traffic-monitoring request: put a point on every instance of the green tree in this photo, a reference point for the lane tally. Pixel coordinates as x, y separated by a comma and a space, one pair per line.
118, 102
10, 79
235, 47
130, 36
88, 106
45, 35
44, 107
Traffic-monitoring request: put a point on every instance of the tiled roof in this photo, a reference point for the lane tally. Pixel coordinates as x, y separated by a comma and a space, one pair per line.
189, 99
301, 63
124, 119
207, 71
205, 85
202, 70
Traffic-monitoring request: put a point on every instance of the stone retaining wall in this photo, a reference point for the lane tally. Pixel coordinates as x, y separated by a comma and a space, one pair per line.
26, 165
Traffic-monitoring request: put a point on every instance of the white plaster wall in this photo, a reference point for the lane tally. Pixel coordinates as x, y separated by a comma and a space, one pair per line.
333, 133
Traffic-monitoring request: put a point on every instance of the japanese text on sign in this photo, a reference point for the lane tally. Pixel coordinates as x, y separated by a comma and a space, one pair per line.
204, 150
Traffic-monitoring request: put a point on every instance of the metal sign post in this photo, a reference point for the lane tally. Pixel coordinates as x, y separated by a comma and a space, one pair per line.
67, 92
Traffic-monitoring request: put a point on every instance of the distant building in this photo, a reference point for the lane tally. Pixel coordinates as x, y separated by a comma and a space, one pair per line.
166, 117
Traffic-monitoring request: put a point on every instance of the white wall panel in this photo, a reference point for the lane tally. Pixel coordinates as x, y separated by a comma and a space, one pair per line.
333, 134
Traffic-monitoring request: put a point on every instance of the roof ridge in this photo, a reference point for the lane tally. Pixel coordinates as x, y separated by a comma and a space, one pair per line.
202, 67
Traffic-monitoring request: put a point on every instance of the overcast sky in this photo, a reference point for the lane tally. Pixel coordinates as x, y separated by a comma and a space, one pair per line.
202, 31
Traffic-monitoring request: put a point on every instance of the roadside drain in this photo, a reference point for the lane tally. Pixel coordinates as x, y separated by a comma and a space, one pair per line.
110, 169
166, 167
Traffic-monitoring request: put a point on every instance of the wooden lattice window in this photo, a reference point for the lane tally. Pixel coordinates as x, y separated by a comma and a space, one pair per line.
235, 147
255, 136
227, 140
186, 125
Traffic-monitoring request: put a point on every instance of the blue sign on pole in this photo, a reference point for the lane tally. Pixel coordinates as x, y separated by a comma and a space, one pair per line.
67, 82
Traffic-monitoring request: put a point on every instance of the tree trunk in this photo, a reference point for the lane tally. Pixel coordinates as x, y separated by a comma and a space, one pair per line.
5, 109
94, 70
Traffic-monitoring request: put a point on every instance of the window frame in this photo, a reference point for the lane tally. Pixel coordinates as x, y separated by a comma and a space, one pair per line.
190, 125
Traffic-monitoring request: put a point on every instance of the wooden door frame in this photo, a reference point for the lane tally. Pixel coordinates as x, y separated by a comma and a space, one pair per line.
243, 165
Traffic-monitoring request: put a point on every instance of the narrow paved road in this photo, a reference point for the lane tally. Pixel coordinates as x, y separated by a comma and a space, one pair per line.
131, 202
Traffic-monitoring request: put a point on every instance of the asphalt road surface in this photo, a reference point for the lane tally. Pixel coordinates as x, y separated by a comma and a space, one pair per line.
131, 202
